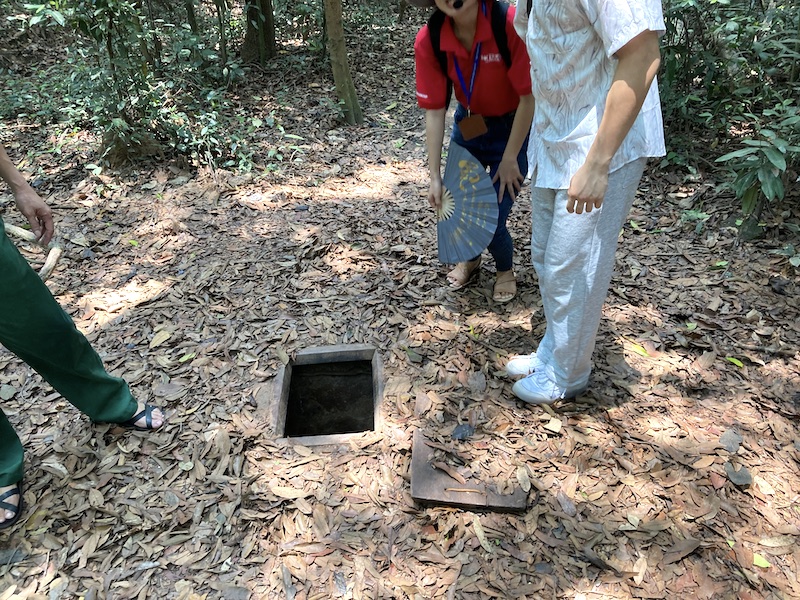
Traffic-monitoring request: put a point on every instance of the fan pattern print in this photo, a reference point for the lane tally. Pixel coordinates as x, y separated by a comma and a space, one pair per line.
468, 212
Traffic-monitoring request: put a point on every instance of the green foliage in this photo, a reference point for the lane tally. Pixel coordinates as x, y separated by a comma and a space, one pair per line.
695, 216
154, 78
45, 96
791, 253
42, 13
140, 77
209, 136
301, 18
730, 76
761, 166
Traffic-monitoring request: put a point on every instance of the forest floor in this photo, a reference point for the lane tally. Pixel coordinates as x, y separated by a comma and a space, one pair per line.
677, 475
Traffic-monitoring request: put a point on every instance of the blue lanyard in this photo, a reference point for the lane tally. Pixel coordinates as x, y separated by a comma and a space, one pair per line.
476, 60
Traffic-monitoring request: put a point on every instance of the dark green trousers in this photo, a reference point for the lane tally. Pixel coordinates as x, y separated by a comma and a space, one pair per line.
35, 328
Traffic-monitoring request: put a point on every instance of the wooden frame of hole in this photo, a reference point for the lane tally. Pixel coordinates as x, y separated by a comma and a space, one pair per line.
322, 355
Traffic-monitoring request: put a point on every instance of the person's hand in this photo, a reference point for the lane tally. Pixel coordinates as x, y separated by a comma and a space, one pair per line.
510, 178
587, 188
37, 212
435, 193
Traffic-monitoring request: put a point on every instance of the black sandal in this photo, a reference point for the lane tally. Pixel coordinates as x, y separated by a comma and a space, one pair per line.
147, 413
17, 510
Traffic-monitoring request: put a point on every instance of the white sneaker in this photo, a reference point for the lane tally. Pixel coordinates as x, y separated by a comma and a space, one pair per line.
537, 388
522, 366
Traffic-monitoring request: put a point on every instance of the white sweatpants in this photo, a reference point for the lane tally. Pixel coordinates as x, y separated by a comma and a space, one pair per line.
574, 258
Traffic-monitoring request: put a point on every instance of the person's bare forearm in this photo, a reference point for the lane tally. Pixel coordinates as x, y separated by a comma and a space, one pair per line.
32, 207
10, 174
638, 64
521, 127
434, 140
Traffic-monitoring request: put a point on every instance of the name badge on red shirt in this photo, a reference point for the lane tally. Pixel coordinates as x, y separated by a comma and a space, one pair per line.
472, 126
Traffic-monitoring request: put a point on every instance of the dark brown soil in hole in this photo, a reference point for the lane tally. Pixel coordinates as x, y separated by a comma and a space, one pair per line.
330, 398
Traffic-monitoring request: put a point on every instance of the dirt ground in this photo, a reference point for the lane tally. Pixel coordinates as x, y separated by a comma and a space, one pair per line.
675, 475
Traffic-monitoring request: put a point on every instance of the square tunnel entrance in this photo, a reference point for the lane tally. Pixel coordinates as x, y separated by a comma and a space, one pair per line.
326, 394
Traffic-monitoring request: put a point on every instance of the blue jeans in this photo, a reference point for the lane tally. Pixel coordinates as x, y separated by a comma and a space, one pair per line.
488, 149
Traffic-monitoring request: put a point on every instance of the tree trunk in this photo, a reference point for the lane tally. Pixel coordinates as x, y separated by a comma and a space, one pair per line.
154, 58
341, 69
793, 75
402, 5
259, 40
191, 16
222, 13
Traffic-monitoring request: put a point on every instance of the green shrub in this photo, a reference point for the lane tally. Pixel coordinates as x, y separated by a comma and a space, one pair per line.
730, 78
148, 85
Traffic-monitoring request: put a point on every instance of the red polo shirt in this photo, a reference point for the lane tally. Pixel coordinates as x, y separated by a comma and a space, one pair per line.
497, 89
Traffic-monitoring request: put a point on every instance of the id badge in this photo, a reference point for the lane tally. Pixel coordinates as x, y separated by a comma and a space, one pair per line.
472, 126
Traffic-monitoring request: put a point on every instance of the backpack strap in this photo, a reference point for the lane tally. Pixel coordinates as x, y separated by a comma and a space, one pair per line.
435, 23
498, 18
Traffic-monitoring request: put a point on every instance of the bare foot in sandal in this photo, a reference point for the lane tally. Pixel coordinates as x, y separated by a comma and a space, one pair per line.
146, 418
11, 504
505, 287
463, 273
